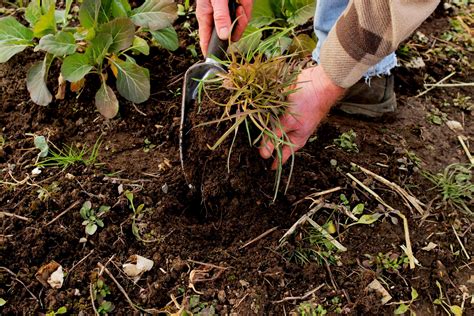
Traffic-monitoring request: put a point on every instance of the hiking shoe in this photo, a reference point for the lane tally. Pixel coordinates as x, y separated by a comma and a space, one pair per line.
372, 99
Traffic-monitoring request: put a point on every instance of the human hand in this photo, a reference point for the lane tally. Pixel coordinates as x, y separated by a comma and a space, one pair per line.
216, 12
315, 95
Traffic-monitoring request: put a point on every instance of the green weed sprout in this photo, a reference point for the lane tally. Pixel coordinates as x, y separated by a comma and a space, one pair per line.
259, 87
455, 185
346, 141
71, 155
91, 217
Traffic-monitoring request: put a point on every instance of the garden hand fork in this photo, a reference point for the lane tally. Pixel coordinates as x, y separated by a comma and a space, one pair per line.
198, 72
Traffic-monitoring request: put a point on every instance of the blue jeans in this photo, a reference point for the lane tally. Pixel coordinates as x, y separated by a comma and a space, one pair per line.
327, 13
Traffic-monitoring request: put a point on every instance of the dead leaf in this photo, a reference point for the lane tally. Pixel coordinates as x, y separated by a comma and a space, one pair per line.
455, 126
430, 246
51, 274
78, 85
377, 287
137, 265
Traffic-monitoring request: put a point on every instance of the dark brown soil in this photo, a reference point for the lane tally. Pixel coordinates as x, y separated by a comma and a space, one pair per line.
205, 229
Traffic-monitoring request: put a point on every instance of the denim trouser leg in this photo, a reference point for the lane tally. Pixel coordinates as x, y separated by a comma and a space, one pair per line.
327, 13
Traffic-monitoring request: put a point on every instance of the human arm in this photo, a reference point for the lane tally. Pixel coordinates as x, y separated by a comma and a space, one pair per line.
212, 13
366, 32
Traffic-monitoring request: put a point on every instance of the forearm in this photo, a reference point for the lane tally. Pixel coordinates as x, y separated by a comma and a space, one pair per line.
368, 31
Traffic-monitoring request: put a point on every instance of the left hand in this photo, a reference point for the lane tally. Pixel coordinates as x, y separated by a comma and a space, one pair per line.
311, 102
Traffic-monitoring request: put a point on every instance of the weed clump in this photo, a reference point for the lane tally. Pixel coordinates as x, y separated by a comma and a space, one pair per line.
259, 88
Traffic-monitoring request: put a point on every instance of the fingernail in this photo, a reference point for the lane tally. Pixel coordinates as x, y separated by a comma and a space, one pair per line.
223, 33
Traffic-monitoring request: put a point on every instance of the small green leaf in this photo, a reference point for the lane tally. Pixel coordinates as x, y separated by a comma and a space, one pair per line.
106, 102
106, 306
99, 222
155, 14
437, 302
2, 302
414, 294
61, 44
358, 209
41, 144
133, 81
89, 13
61, 310
99, 48
75, 67
140, 208
14, 38
87, 205
129, 196
401, 309
91, 228
122, 31
456, 310
367, 219
140, 46
33, 12
104, 208
167, 38
36, 82
46, 24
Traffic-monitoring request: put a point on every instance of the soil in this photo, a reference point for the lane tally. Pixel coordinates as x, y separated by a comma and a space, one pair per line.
198, 238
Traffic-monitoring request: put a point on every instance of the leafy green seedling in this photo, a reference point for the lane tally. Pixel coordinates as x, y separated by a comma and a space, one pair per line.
108, 34
441, 301
404, 307
62, 310
2, 302
346, 141
91, 217
42, 145
185, 8
136, 213
99, 291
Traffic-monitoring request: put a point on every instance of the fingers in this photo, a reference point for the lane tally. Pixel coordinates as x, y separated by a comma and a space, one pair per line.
266, 146
221, 18
286, 153
204, 14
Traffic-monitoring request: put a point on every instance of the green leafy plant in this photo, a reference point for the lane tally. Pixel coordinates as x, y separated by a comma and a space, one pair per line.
110, 31
259, 88
99, 291
92, 218
137, 213
60, 311
346, 141
404, 307
69, 155
278, 20
311, 309
455, 185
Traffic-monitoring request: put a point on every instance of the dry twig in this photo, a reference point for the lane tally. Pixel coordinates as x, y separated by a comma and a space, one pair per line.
409, 251
103, 268
271, 230
295, 298
466, 150
73, 205
21, 282
402, 192
14, 215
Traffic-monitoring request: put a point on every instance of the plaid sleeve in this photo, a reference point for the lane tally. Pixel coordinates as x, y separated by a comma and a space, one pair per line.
366, 32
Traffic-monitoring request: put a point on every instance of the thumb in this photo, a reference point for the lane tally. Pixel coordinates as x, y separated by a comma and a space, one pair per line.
221, 18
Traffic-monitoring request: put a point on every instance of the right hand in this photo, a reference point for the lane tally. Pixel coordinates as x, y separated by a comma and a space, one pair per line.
212, 13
